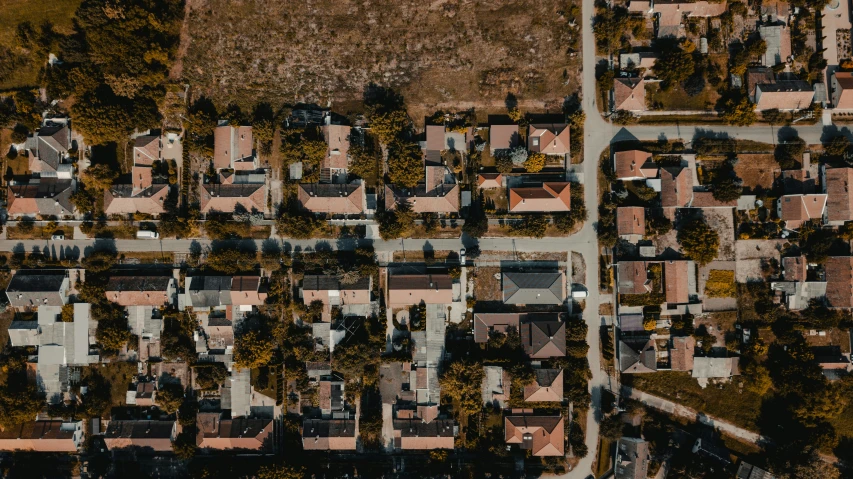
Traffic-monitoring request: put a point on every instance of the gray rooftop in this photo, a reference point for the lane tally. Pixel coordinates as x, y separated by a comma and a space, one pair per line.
534, 288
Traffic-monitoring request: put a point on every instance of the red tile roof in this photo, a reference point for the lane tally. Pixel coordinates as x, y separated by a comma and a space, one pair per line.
544, 434
839, 203
634, 164
839, 281
550, 197
676, 274
629, 94
550, 139
631, 220
676, 189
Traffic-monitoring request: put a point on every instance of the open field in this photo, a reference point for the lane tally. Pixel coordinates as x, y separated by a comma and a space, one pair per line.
12, 12
434, 53
758, 171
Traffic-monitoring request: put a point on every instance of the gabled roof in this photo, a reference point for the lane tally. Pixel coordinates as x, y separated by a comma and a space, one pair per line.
214, 432
797, 209
315, 282
542, 435
337, 140
632, 458
637, 357
443, 199
328, 434
715, 367
543, 287
231, 144
784, 95
502, 137
225, 198
676, 276
839, 205
146, 150
122, 199
544, 339
634, 164
546, 198
839, 281
550, 139
676, 187
156, 435
334, 199
414, 288
845, 85
630, 220
45, 196
209, 291
414, 434
42, 436
681, 353
490, 180
633, 277
629, 94
794, 268
138, 290
50, 144
547, 388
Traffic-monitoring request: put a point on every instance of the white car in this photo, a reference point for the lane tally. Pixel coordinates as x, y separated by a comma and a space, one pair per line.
57, 237
462, 256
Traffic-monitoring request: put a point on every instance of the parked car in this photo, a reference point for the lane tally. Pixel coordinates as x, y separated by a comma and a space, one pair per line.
462, 256
147, 235
58, 236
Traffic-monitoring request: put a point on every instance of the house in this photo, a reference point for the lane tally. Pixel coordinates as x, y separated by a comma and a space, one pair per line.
794, 210
233, 147
550, 197
541, 435
248, 291
328, 435
408, 289
629, 94
715, 368
758, 76
678, 274
145, 435
143, 394
496, 386
550, 139
331, 396
332, 292
839, 198
488, 181
676, 187
543, 339
644, 62
141, 194
439, 193
797, 289
225, 197
634, 165
632, 458
503, 137
206, 292
34, 288
681, 353
670, 14
842, 90
784, 95
541, 287
637, 356
778, 40
141, 290
337, 158
439, 138
48, 150
43, 436
839, 281
631, 223
415, 434
548, 386
748, 471
332, 198
633, 277
40, 197
218, 433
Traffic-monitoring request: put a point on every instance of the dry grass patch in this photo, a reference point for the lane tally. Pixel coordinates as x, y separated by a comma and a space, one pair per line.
757, 170
720, 284
486, 286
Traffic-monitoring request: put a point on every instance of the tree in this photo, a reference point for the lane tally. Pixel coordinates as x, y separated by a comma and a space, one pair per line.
790, 153
231, 261
100, 177
169, 397
837, 146
503, 164
298, 225
209, 376
389, 126
727, 189
535, 162
535, 226
252, 350
674, 66
405, 164
759, 379
20, 402
397, 223
112, 333
281, 472
611, 428
461, 382
739, 111
363, 164
99, 261
699, 241
658, 225
184, 445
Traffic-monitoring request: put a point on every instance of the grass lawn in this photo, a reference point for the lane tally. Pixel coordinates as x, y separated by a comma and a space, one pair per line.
677, 99
13, 12
38, 232
727, 403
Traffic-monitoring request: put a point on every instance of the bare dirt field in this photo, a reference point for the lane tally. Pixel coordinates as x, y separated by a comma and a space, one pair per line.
487, 287
436, 53
758, 171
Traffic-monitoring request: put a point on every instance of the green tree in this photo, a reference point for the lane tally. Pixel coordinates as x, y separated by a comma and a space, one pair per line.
504, 164
298, 225
99, 177
405, 164
461, 383
20, 402
231, 261
209, 376
658, 225
112, 333
252, 350
837, 146
727, 189
169, 397
535, 162
363, 164
184, 445
534, 226
99, 261
699, 241
389, 126
739, 112
674, 66
281, 472
611, 428
759, 379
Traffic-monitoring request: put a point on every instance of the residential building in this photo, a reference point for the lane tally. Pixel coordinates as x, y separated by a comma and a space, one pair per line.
839, 198
643, 62
541, 287
30, 289
439, 193
40, 197
631, 223
332, 198
676, 187
248, 291
681, 353
218, 433
543, 339
332, 292
798, 289
634, 165
48, 149
629, 94
227, 197
439, 138
485, 324
677, 276
794, 210
328, 435
408, 289
415, 434
541, 435
143, 194
748, 471
548, 386
141, 290
550, 197
490, 180
778, 40
842, 90
758, 76
715, 368
670, 14
43, 436
784, 95
334, 166
503, 137
632, 458
839, 281
637, 356
550, 139
632, 277
233, 147
156, 436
